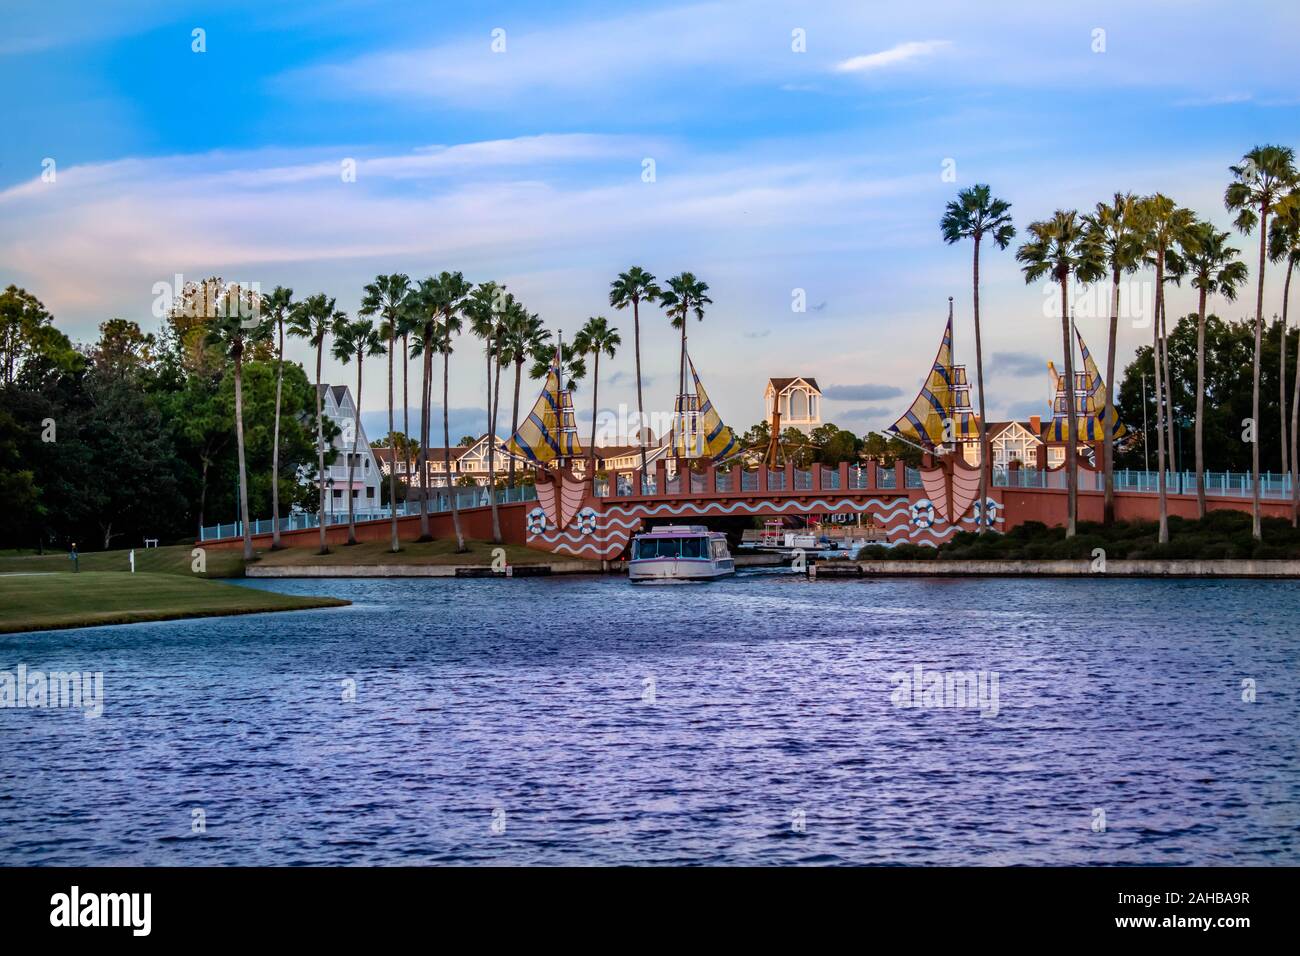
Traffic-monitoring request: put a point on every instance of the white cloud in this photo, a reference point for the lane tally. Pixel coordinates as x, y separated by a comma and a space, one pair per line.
901, 53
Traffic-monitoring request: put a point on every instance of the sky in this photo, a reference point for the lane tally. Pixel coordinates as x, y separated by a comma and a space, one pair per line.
777, 150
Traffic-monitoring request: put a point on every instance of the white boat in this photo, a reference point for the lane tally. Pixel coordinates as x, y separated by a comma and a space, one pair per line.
680, 553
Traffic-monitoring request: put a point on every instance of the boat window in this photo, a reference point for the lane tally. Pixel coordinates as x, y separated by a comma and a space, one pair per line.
657, 548
694, 547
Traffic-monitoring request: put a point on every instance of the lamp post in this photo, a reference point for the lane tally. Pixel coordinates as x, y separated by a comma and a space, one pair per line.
329, 487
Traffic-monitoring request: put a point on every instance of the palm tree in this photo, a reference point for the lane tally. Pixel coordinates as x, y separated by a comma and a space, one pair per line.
1284, 246
237, 326
452, 293
685, 294
1264, 177
635, 286
485, 310
1112, 227
1061, 248
276, 307
312, 320
975, 214
525, 336
1212, 266
422, 316
355, 339
1162, 226
595, 337
386, 298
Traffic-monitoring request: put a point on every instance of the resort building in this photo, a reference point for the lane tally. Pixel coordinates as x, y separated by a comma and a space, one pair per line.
338, 407
469, 463
1023, 442
798, 399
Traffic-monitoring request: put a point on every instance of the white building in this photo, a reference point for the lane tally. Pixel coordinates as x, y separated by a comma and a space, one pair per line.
799, 400
338, 406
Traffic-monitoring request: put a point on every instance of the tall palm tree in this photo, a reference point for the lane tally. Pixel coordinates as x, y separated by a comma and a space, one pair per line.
1060, 247
1163, 224
355, 340
485, 310
975, 214
424, 310
312, 319
452, 293
1284, 246
635, 286
1112, 227
276, 307
595, 337
1260, 182
1213, 268
525, 336
237, 327
685, 294
386, 299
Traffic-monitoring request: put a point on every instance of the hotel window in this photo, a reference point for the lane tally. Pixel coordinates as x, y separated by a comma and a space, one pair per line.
1055, 456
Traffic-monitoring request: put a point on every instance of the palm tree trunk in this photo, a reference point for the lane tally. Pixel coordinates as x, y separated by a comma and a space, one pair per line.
243, 471
681, 381
392, 460
1200, 406
492, 452
1071, 471
446, 448
985, 464
275, 445
1255, 528
426, 356
406, 412
640, 402
320, 447
514, 415
595, 391
491, 433
1171, 420
1108, 434
352, 456
1295, 436
1160, 408
1281, 375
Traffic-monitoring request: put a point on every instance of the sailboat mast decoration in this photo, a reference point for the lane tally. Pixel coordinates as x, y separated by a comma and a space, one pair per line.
940, 421
549, 437
699, 431
1089, 403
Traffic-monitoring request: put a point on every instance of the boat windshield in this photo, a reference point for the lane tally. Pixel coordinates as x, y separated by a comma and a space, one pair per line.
672, 548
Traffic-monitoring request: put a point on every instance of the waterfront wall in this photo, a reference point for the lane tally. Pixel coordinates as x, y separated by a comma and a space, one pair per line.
1248, 568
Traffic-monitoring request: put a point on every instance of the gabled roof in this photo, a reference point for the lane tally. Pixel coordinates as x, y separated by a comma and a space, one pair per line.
781, 384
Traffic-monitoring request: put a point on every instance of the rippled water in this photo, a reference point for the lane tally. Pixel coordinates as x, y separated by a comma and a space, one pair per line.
508, 722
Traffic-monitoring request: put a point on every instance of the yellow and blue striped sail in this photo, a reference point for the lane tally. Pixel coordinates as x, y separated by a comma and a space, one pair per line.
549, 432
1092, 413
714, 440
942, 398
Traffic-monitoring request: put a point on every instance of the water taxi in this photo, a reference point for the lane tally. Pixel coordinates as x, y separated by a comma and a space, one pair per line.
680, 553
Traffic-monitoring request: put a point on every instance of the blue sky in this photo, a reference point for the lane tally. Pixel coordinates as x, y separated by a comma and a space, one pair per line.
775, 169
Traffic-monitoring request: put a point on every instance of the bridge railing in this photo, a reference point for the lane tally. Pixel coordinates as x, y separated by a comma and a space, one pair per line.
830, 479
1222, 484
438, 501
886, 477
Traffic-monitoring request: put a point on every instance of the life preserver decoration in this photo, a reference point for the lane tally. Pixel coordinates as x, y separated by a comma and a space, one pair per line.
536, 521
923, 513
587, 520
985, 512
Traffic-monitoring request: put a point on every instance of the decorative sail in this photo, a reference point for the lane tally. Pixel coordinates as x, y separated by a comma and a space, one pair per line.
1090, 402
944, 398
719, 441
549, 432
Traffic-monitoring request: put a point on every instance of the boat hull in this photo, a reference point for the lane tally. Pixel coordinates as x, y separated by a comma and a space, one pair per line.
679, 569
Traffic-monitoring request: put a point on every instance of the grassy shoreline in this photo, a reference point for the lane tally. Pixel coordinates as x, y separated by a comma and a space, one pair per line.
41, 601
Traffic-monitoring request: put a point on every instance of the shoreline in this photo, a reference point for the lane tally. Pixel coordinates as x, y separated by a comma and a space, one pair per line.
1194, 568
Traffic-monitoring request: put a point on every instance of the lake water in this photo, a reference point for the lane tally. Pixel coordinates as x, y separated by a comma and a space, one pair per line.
749, 721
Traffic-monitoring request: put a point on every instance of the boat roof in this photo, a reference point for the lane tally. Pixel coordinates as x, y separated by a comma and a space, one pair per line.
678, 530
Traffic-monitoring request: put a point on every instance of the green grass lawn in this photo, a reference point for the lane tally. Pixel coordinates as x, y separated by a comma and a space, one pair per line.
430, 552
170, 560
39, 601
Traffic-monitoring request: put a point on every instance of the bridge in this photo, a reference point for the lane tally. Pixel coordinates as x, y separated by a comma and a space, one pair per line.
571, 515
